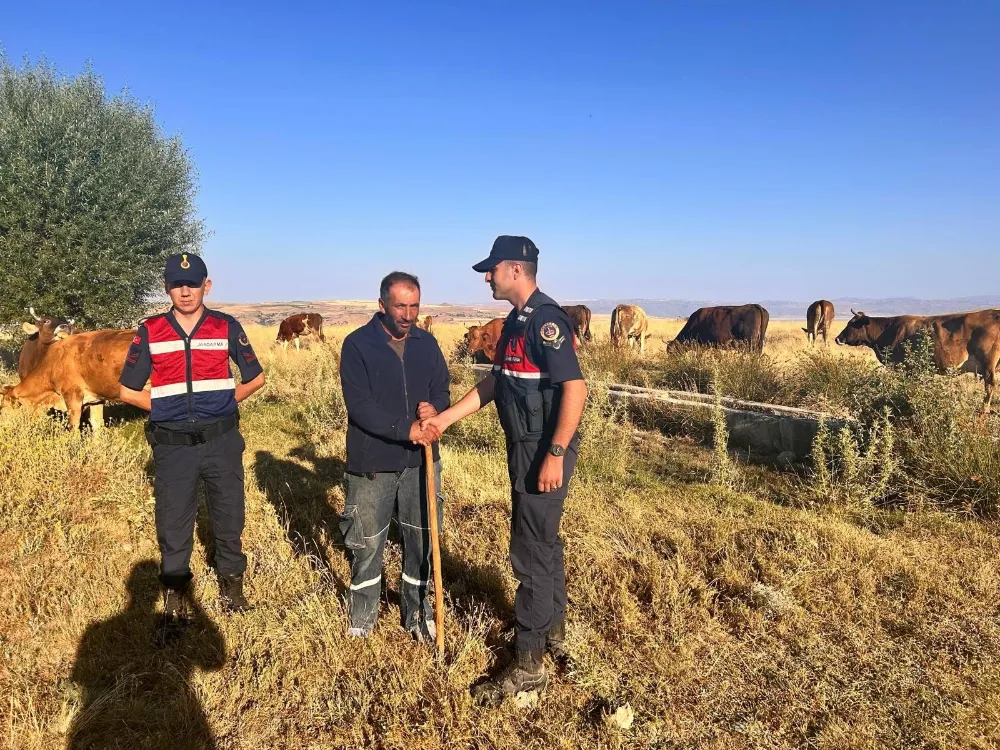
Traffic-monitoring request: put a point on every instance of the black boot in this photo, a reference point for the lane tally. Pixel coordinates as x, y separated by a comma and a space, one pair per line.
175, 615
231, 593
555, 644
524, 674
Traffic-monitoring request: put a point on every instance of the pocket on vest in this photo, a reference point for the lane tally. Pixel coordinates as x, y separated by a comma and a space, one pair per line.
534, 411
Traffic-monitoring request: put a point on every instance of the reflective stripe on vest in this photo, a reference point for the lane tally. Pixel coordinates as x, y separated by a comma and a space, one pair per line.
512, 358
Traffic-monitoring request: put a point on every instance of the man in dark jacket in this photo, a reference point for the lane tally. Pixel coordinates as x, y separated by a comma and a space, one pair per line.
393, 375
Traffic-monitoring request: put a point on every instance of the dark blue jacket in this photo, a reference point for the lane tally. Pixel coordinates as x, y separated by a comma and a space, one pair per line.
382, 392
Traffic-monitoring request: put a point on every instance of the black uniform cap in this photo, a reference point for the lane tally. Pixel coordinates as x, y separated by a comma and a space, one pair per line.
185, 267
508, 247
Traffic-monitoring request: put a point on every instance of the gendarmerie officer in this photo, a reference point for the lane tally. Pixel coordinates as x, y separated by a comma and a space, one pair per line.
193, 428
540, 394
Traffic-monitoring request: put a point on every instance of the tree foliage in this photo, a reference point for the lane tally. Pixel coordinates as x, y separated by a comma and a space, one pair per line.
93, 198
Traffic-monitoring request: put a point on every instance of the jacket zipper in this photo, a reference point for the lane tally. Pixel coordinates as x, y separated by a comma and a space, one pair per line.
406, 395
190, 377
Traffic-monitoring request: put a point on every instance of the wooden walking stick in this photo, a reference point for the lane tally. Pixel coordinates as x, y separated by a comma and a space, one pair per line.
435, 549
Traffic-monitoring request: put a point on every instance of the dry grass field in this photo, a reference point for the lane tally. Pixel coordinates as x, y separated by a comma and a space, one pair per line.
819, 607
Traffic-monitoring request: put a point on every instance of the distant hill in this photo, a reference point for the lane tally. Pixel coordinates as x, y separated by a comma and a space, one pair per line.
350, 312
356, 312
791, 310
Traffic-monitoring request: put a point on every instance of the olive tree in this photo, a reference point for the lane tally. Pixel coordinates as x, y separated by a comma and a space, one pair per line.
93, 198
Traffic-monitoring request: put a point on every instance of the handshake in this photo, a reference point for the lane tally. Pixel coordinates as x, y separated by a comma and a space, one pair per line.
428, 426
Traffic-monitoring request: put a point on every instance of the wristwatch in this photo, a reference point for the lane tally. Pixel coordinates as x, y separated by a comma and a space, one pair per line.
557, 450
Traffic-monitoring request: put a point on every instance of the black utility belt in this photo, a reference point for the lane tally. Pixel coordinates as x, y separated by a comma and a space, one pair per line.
159, 436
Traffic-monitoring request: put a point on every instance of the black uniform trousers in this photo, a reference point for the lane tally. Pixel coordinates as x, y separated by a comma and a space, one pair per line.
219, 463
536, 549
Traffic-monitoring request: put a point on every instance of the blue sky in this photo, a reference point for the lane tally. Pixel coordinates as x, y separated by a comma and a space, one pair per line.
714, 150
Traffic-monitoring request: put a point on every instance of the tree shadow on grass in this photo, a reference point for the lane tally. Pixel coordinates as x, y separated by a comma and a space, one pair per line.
300, 496
137, 692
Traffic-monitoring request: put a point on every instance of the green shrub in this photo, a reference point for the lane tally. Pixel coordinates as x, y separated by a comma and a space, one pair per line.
952, 455
858, 466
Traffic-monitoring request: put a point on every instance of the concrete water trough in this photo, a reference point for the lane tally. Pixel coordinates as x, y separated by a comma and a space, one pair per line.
764, 430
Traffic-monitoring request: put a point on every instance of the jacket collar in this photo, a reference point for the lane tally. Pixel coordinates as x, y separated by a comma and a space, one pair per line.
172, 319
536, 300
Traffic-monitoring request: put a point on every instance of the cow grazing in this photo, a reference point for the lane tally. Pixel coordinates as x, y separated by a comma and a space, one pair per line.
729, 325
78, 371
484, 340
579, 316
629, 323
427, 324
819, 318
297, 326
45, 331
969, 341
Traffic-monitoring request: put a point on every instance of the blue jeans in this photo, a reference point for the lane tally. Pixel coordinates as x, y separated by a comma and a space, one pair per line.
372, 501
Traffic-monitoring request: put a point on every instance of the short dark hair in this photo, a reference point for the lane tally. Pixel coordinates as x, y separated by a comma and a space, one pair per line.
396, 277
530, 267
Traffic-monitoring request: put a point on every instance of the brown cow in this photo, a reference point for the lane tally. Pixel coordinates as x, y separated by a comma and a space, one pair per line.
819, 317
726, 325
296, 326
579, 316
969, 341
484, 339
78, 371
628, 323
427, 324
41, 334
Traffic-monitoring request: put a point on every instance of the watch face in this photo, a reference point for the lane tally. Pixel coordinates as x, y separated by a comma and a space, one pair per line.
557, 450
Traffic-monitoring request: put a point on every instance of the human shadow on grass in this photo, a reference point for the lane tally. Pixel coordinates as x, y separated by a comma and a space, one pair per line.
300, 495
474, 587
136, 689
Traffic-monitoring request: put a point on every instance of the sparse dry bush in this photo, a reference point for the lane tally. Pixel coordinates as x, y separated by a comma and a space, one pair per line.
724, 472
602, 361
819, 379
480, 431
308, 380
605, 438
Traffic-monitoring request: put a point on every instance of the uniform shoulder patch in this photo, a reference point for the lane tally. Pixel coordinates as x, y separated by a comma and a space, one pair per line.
243, 340
551, 335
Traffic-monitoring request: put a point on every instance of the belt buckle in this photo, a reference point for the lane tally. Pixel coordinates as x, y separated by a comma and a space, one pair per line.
197, 438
